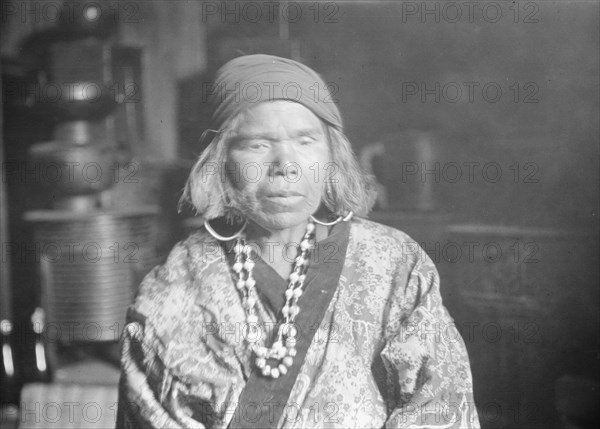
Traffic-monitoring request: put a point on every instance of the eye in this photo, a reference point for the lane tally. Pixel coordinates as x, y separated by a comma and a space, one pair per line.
306, 140
254, 144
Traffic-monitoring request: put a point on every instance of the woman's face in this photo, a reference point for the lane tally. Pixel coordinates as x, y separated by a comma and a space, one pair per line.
276, 163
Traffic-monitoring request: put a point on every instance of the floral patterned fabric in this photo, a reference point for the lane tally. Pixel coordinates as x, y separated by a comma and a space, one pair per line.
386, 354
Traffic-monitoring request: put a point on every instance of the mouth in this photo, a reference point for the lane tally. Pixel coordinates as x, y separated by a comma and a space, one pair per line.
288, 201
284, 194
284, 198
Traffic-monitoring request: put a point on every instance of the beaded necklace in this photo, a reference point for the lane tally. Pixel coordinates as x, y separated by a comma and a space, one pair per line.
283, 348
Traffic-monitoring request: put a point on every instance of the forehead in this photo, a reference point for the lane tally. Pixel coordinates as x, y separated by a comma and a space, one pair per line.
275, 116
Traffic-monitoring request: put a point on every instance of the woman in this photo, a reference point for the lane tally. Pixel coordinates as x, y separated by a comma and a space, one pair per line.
289, 309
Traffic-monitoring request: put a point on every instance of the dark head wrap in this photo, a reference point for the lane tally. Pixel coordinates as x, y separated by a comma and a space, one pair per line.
251, 79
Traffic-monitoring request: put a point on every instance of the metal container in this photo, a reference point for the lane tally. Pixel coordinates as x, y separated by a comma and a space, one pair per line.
90, 266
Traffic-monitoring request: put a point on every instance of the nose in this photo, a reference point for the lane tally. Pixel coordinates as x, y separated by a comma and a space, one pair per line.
284, 156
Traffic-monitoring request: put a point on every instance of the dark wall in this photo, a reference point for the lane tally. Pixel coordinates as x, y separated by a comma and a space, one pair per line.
383, 57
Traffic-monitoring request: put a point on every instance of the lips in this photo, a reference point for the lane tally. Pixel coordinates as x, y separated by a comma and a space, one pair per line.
283, 194
284, 199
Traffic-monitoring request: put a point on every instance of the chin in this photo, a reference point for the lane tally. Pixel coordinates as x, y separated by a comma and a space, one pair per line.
280, 220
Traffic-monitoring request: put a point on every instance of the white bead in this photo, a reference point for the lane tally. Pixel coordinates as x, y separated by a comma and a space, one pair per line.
249, 265
294, 277
310, 227
252, 318
261, 362
240, 284
299, 261
297, 293
275, 373
285, 311
277, 345
288, 361
292, 351
294, 310
289, 293
237, 267
302, 278
253, 332
251, 301
281, 353
261, 351
305, 244
266, 370
290, 342
292, 331
248, 251
239, 248
250, 282
282, 369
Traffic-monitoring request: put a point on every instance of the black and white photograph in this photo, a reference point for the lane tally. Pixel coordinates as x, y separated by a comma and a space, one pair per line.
300, 214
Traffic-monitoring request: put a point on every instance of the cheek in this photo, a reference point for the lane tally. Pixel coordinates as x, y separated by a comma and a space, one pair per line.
241, 174
324, 164
315, 163
314, 188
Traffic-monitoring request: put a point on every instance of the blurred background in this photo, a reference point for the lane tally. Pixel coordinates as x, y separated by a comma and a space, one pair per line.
478, 119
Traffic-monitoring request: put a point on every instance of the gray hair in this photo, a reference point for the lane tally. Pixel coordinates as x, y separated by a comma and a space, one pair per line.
209, 192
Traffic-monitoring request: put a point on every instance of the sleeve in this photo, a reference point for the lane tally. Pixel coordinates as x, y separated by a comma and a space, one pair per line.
149, 393
150, 396
428, 373
141, 373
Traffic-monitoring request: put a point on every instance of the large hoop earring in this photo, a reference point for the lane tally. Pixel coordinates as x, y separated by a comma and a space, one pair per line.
338, 220
219, 237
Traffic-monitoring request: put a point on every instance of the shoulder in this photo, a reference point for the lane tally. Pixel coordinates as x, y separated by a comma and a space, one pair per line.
398, 263
168, 289
414, 277
186, 257
373, 236
369, 229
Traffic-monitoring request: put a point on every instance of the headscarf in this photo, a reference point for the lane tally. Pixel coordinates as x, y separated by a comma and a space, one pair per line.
251, 79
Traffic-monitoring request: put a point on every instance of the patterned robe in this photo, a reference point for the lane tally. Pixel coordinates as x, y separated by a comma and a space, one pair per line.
386, 353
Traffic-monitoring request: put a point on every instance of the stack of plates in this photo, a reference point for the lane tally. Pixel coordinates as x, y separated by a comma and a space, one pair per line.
90, 265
